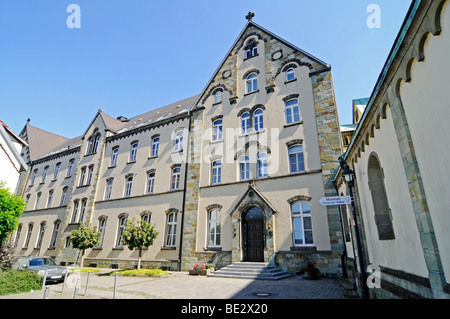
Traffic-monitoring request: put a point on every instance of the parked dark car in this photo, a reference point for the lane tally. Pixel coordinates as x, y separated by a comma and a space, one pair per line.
41, 265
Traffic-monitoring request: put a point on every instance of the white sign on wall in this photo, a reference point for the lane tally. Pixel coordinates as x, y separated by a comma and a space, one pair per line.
338, 200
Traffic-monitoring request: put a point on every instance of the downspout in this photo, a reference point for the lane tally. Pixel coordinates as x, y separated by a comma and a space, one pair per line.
184, 193
344, 252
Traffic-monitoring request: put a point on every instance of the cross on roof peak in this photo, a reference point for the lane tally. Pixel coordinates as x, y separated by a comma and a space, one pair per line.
250, 16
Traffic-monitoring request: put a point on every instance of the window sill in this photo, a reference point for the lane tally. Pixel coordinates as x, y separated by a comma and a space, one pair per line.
212, 249
250, 93
112, 166
290, 81
152, 157
217, 103
293, 124
168, 248
251, 132
307, 249
251, 57
82, 186
131, 162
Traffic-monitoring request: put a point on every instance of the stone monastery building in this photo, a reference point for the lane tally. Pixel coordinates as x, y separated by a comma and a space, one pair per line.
232, 174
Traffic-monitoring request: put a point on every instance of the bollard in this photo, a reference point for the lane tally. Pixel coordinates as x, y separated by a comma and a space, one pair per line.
115, 286
45, 278
46, 291
87, 284
65, 279
77, 286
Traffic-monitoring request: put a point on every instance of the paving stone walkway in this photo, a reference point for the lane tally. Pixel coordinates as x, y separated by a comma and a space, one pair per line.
180, 285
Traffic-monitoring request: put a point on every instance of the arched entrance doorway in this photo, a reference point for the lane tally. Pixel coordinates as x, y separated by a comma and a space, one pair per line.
253, 235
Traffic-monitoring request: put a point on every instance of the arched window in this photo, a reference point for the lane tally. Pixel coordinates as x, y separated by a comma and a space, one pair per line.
41, 234
114, 155
76, 205
82, 209
251, 83
155, 146
101, 229
27, 239
133, 151
64, 196
383, 217
171, 229
214, 228
258, 122
150, 182
178, 143
128, 185
244, 168
93, 142
121, 228
262, 165
292, 112
108, 189
217, 130
245, 123
296, 161
290, 75
301, 223
218, 97
55, 233
175, 180
216, 172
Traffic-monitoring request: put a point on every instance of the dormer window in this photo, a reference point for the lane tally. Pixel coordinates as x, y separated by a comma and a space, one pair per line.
217, 97
251, 49
290, 75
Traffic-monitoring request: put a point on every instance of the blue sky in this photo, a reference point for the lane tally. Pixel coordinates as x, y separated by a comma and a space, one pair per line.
132, 56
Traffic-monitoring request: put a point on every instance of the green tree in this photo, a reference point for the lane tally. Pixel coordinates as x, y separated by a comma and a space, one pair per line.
84, 238
11, 208
138, 236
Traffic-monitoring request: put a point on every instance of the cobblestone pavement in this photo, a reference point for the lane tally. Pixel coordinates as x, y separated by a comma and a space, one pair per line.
180, 285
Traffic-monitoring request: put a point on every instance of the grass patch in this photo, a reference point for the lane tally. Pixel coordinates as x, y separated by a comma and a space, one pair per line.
16, 282
85, 270
141, 272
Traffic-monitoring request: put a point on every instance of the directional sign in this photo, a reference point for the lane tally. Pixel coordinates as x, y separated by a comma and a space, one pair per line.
338, 200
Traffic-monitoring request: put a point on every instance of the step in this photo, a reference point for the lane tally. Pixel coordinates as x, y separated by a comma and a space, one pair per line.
250, 270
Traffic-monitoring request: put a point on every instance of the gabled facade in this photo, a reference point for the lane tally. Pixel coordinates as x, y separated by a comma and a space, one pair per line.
232, 174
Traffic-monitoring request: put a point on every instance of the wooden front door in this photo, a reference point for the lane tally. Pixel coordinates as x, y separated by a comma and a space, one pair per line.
254, 235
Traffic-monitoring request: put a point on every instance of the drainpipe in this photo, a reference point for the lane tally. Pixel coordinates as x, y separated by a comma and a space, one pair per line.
344, 252
184, 193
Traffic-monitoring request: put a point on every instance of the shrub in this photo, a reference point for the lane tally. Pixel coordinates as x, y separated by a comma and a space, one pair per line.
16, 281
141, 272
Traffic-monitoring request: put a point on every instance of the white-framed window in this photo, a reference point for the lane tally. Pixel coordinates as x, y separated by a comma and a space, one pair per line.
292, 112
133, 151
214, 228
82, 176
101, 230
33, 177
45, 174
262, 165
171, 229
41, 234
301, 223
50, 198
108, 189
150, 182
64, 196
128, 185
296, 160
155, 146
175, 180
120, 230
96, 142
178, 143
114, 155
55, 234
55, 174
218, 97
19, 231
258, 121
217, 130
76, 205
251, 83
38, 198
68, 243
70, 169
27, 239
244, 168
147, 218
250, 52
89, 176
245, 123
290, 74
82, 210
216, 172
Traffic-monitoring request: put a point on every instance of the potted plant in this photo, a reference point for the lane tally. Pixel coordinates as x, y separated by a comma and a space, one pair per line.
311, 271
204, 269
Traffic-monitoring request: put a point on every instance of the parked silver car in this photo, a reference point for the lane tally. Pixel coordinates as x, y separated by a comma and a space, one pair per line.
42, 265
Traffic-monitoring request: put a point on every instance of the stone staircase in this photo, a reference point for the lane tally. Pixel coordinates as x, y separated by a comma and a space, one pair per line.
251, 270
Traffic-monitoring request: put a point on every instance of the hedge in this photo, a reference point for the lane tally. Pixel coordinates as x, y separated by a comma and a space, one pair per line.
16, 281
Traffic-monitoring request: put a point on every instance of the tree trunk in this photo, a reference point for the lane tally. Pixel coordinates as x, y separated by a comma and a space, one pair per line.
82, 258
139, 259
